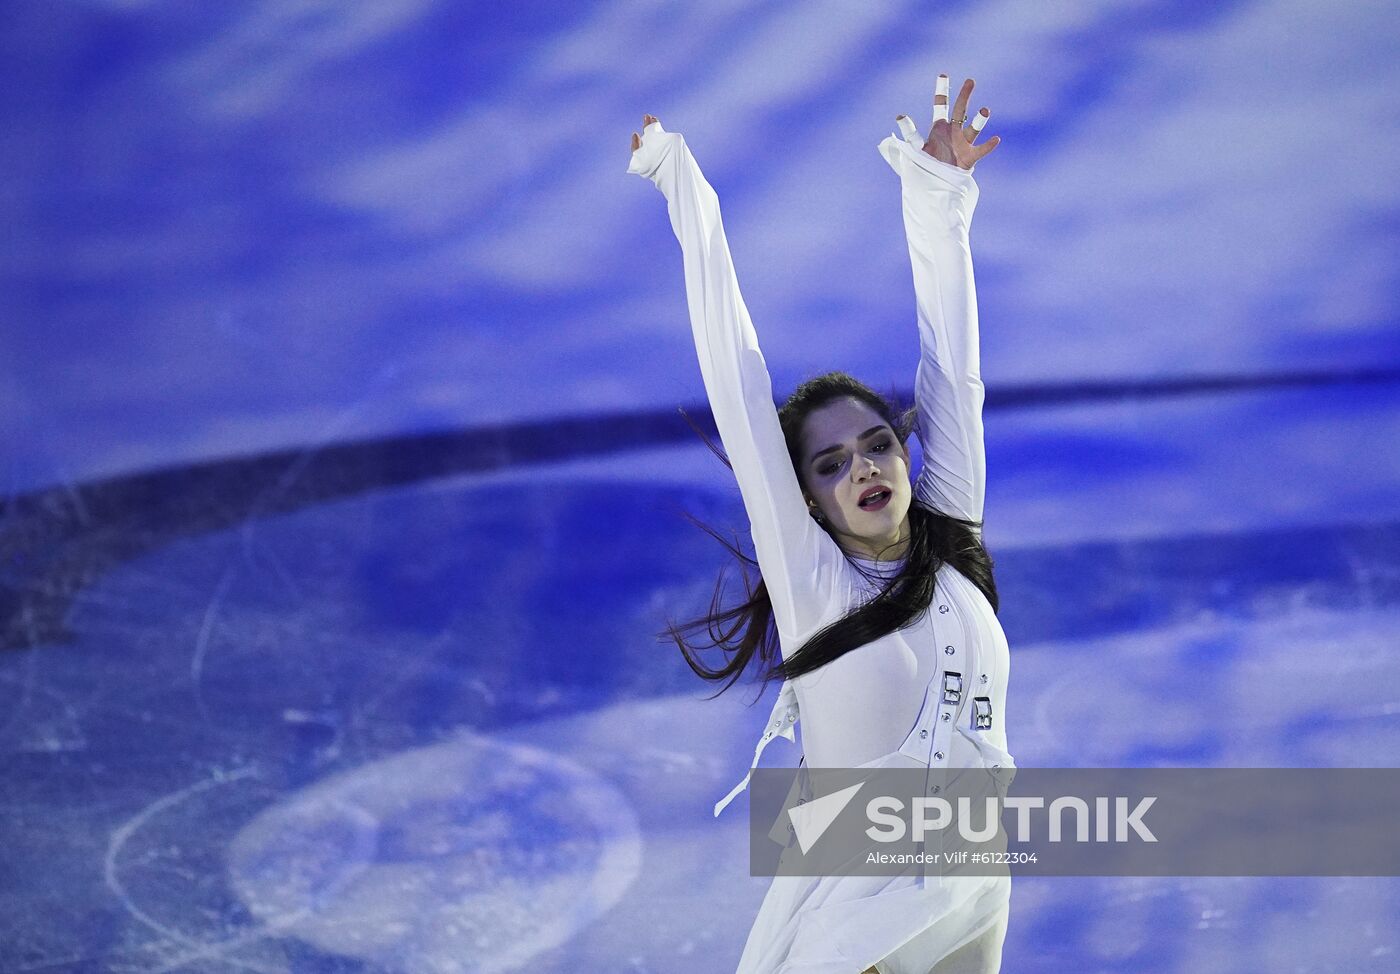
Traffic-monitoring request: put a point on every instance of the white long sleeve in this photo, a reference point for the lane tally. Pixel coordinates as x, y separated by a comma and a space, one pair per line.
795, 556
938, 202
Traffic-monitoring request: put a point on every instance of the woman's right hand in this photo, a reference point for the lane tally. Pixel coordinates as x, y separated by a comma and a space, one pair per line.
652, 148
637, 139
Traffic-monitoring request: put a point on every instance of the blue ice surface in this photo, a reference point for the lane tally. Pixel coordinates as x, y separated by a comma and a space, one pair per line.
341, 739
248, 227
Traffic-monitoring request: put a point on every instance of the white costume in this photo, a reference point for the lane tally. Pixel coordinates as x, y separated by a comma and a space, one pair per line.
929, 696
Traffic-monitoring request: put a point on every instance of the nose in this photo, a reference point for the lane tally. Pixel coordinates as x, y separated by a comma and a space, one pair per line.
864, 471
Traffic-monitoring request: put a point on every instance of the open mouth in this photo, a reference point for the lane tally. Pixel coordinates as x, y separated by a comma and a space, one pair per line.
875, 500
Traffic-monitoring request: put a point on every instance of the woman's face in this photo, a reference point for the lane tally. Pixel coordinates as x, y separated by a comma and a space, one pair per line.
848, 449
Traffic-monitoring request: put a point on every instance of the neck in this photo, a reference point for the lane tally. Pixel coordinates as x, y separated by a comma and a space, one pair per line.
883, 549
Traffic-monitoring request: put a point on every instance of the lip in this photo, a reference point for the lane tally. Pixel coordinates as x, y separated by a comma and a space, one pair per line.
889, 494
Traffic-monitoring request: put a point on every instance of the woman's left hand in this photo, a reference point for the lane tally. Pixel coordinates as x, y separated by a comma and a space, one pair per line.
955, 142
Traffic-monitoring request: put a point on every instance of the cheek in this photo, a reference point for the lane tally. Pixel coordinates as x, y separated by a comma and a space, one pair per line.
833, 500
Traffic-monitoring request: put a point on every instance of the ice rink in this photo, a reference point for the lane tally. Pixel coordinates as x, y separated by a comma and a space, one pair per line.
345, 488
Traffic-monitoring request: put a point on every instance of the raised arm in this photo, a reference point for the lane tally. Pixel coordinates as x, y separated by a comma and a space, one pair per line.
794, 554
939, 196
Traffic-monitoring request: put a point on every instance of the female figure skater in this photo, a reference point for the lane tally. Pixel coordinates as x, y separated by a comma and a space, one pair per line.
879, 589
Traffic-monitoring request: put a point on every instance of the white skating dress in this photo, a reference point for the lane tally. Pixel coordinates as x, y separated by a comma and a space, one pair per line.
929, 696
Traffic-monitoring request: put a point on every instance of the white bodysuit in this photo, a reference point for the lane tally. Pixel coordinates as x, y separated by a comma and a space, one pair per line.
931, 695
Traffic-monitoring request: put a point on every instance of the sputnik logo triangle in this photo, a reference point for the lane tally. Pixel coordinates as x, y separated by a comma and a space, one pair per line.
811, 819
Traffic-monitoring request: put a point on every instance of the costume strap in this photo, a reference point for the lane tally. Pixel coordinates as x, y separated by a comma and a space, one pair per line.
780, 724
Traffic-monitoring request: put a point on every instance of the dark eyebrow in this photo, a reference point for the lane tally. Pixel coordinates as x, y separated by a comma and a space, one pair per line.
832, 449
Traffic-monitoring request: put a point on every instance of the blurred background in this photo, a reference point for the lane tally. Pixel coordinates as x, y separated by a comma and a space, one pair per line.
344, 483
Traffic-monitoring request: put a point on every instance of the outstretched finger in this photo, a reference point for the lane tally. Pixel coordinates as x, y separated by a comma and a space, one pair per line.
909, 130
940, 99
985, 148
973, 128
960, 106
636, 141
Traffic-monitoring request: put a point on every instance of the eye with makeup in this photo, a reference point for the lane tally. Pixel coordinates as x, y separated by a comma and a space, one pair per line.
881, 447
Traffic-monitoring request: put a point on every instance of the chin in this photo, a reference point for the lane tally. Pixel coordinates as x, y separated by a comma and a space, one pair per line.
879, 524
873, 525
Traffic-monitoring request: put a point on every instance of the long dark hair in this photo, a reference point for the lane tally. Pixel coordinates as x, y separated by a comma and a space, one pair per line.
746, 630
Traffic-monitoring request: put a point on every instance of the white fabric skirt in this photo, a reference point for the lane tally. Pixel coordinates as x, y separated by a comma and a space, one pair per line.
824, 925
847, 924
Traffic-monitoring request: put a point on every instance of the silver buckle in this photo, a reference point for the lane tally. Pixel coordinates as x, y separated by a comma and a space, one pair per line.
952, 687
982, 709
